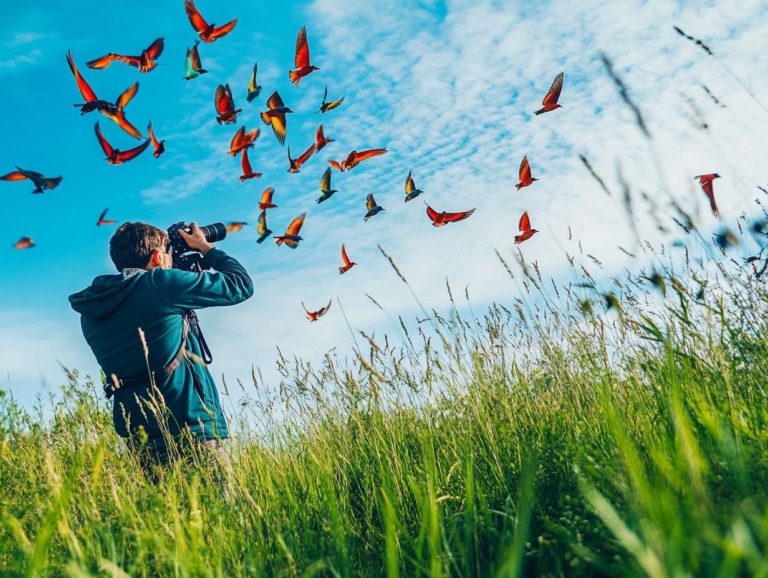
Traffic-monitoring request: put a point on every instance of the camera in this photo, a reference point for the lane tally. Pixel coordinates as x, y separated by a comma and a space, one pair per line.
184, 257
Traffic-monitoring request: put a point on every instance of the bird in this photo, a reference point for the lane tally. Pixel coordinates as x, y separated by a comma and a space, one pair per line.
320, 140
706, 185
225, 105
193, 67
254, 89
207, 32
325, 186
24, 243
550, 100
159, 146
411, 192
42, 183
236, 226
301, 59
525, 229
144, 62
103, 221
326, 106
345, 259
295, 164
355, 158
116, 156
315, 315
442, 219
291, 237
242, 140
261, 227
266, 199
246, 166
275, 116
525, 174
372, 206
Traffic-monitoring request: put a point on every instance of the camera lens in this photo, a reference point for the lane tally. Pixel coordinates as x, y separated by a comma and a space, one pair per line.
214, 232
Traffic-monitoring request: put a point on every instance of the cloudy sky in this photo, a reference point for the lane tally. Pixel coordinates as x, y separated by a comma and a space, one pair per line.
448, 87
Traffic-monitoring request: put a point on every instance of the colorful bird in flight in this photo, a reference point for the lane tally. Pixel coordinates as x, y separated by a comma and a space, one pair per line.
320, 140
301, 59
345, 259
246, 166
261, 227
325, 186
266, 199
254, 89
116, 156
157, 145
372, 206
225, 105
242, 140
41, 182
291, 237
550, 100
525, 174
442, 219
207, 32
24, 243
326, 106
706, 185
144, 62
275, 116
315, 315
411, 192
193, 67
236, 226
355, 158
525, 229
295, 164
103, 221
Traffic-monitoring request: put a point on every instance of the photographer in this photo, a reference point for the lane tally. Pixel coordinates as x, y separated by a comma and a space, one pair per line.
143, 331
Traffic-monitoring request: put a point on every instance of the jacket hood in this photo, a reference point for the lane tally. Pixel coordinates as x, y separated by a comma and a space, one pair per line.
104, 295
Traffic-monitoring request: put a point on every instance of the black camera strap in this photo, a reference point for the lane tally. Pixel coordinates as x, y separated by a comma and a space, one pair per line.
195, 324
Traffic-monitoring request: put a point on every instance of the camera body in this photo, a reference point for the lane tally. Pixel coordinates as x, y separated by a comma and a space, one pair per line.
184, 257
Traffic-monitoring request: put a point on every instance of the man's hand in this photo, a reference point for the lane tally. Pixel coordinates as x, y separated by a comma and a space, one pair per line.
196, 240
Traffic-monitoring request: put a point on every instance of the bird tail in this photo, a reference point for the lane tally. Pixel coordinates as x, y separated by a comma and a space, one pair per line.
294, 76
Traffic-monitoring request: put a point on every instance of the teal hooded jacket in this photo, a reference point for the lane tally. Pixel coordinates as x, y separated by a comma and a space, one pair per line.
113, 309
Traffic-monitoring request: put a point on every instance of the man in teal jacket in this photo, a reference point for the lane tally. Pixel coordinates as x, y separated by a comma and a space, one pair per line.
135, 324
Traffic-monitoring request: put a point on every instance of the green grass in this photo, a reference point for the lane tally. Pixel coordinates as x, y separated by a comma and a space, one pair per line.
552, 438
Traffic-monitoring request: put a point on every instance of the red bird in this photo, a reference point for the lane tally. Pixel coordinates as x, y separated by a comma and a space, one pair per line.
315, 315
291, 237
296, 163
242, 140
115, 156
266, 199
144, 62
320, 140
301, 59
207, 32
275, 116
706, 185
103, 221
159, 146
225, 105
355, 158
41, 182
345, 259
525, 174
442, 219
550, 100
525, 229
24, 243
236, 226
247, 170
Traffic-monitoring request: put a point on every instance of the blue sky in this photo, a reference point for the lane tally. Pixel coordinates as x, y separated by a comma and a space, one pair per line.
448, 87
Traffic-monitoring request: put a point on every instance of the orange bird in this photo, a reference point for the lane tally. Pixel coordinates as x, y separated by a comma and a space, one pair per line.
103, 221
207, 32
296, 163
525, 229
345, 259
326, 106
355, 158
525, 174
159, 146
247, 170
291, 237
225, 105
320, 140
115, 156
24, 243
236, 226
706, 185
275, 116
315, 315
301, 60
550, 100
144, 62
242, 140
442, 219
41, 182
266, 199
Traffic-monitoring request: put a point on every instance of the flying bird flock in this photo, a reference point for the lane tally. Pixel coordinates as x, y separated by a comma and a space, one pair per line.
275, 116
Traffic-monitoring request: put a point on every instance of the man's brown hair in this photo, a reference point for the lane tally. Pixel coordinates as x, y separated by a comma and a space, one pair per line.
133, 243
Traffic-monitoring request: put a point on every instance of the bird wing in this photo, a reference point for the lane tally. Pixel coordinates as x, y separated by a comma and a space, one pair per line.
319, 135
102, 61
344, 256
410, 186
132, 153
362, 155
323, 310
525, 223
302, 49
123, 123
152, 137
370, 203
432, 214
252, 82
14, 176
222, 30
335, 164
275, 101
195, 18
266, 196
277, 122
325, 181
261, 225
334, 104
452, 217
295, 226
85, 90
127, 95
194, 58
155, 49
237, 140
554, 91
106, 147
225, 104
305, 155
51, 182
103, 214
525, 170
245, 163
134, 61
